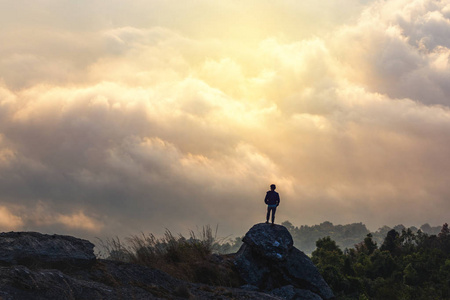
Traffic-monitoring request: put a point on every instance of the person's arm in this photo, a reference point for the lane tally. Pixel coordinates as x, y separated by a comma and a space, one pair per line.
266, 198
278, 199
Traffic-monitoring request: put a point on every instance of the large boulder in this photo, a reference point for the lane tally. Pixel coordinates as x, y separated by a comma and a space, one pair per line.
273, 242
268, 260
35, 249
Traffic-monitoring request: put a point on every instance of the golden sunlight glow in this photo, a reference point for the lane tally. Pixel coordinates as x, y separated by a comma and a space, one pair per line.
9, 221
79, 220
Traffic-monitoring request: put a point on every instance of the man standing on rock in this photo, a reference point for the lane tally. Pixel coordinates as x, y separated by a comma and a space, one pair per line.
272, 200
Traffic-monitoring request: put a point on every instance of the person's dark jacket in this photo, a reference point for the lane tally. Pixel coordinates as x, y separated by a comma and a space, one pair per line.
272, 198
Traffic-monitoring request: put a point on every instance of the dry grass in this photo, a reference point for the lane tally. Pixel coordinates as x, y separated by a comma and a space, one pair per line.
184, 258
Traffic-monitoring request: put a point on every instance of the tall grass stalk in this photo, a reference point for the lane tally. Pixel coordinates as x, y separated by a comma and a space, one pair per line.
184, 258
148, 250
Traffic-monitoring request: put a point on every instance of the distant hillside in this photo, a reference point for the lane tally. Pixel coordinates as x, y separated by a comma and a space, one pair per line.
345, 236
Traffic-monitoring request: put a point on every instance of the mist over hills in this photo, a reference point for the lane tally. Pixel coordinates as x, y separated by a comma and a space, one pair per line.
346, 236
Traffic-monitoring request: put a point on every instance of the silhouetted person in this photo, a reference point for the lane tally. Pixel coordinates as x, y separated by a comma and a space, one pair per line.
272, 200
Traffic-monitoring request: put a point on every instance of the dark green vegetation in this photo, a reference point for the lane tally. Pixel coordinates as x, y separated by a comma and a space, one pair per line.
406, 265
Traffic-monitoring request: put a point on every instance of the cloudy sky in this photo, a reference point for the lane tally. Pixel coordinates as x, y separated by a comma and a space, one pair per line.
119, 117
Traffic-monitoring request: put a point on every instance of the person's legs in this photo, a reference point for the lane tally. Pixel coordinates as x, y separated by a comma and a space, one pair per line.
274, 209
268, 214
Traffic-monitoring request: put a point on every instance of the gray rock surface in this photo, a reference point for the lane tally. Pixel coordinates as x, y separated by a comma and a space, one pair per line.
39, 267
288, 292
268, 260
43, 250
269, 241
109, 280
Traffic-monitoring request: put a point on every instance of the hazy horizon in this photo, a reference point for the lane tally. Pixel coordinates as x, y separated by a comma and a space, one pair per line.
120, 117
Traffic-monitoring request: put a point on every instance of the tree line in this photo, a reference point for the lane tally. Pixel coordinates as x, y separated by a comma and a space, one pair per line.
406, 265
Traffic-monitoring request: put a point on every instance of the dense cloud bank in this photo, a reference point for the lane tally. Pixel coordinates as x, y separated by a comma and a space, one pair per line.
128, 121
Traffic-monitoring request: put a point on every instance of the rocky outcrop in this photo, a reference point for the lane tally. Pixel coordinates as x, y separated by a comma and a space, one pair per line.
45, 251
108, 280
37, 266
269, 261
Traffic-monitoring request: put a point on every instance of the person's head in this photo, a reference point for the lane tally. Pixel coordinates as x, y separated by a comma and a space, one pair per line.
273, 187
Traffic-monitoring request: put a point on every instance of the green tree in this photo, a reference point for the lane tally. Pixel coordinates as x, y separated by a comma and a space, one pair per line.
367, 246
381, 265
392, 242
408, 241
445, 232
410, 275
289, 226
370, 244
329, 259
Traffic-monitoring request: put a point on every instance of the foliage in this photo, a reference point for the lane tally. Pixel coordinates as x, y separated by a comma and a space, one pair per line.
407, 265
